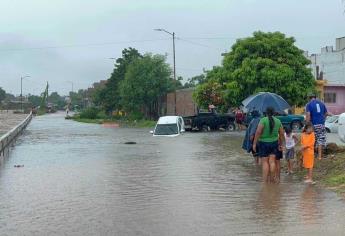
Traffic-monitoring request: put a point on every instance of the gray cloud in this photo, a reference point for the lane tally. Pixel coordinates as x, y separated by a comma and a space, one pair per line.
79, 36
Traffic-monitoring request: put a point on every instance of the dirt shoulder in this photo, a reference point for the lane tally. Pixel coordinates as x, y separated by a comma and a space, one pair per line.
330, 171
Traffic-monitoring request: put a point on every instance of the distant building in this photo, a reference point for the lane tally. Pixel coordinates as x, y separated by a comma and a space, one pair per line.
185, 106
329, 67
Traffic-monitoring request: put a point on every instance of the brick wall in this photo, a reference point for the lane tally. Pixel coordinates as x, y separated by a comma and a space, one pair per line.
185, 105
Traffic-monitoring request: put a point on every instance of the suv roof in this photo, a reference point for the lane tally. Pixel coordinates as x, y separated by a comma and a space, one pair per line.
168, 120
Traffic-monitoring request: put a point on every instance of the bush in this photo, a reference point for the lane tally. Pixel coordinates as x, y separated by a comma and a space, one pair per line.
135, 116
102, 115
90, 113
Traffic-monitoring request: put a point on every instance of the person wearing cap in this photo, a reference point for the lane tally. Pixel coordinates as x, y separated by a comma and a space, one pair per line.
316, 113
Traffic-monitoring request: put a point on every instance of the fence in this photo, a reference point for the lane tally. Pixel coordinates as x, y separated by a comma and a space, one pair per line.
10, 136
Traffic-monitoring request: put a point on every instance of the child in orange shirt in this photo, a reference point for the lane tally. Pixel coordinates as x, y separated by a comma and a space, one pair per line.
308, 142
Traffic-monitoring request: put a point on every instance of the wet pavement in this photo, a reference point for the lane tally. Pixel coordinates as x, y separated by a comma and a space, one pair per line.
81, 179
8, 120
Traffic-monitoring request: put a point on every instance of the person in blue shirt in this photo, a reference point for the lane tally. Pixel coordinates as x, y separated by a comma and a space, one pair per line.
316, 113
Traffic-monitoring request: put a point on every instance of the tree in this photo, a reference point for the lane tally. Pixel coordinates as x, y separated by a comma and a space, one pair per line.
147, 79
109, 96
210, 93
210, 89
267, 62
2, 95
35, 100
56, 99
195, 80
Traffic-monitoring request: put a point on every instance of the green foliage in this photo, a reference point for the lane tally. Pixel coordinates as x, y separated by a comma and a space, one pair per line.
267, 62
147, 79
35, 100
109, 96
2, 94
209, 93
56, 99
194, 81
92, 113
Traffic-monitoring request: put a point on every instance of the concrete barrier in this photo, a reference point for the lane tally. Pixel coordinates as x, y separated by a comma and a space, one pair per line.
7, 139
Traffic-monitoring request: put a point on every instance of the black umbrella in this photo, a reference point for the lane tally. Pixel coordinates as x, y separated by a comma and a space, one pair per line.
261, 101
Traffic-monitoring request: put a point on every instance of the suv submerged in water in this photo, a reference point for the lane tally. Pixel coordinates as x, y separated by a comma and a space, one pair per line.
295, 122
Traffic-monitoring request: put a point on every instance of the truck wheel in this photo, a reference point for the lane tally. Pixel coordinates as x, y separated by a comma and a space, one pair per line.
295, 126
328, 130
205, 128
231, 127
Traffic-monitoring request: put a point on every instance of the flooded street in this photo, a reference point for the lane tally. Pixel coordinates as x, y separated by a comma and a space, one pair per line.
81, 179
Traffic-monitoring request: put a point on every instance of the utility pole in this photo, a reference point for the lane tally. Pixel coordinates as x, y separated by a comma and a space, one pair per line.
173, 37
21, 91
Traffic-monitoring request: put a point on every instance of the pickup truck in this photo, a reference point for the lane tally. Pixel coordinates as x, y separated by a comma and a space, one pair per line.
295, 122
207, 121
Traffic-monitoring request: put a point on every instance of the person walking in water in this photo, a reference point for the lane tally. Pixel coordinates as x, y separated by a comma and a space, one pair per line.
239, 117
250, 134
308, 142
316, 113
290, 142
269, 135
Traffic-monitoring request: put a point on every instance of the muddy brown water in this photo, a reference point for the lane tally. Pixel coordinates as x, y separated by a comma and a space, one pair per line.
81, 179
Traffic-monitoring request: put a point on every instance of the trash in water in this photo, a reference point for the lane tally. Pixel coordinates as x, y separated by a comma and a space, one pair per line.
18, 166
130, 142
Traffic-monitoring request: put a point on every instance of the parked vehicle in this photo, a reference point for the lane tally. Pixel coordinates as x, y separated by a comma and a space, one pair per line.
295, 122
341, 129
207, 121
171, 126
332, 124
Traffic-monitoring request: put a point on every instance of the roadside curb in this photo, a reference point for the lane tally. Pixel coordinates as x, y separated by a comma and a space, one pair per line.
7, 139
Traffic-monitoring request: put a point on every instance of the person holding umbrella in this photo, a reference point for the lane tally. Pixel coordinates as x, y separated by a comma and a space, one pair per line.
269, 139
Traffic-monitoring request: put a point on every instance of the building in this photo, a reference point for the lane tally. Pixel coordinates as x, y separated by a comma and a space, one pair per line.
329, 67
185, 106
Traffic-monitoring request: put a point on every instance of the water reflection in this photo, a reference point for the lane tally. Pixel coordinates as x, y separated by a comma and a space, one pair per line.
82, 179
309, 206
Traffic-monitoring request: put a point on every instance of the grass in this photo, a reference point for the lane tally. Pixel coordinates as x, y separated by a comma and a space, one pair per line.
122, 123
330, 172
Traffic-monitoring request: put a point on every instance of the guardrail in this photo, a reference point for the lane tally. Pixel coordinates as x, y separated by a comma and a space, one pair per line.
11, 135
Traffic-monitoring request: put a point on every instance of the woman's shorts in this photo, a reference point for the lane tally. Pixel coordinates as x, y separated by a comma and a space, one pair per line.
290, 154
268, 148
279, 155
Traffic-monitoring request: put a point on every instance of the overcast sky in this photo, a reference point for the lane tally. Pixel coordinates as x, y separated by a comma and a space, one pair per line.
64, 41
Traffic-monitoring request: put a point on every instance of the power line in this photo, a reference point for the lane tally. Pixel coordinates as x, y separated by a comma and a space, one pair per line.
199, 44
85, 45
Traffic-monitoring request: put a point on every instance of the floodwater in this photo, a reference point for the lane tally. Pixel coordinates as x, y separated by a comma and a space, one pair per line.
81, 179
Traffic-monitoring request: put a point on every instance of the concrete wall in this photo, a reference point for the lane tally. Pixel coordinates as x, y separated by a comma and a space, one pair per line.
185, 105
7, 139
339, 106
330, 62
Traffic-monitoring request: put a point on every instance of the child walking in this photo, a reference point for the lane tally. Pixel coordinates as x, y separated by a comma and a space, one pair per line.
290, 142
308, 142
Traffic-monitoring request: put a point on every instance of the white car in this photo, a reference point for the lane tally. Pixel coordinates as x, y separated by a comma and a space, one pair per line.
332, 124
341, 130
171, 126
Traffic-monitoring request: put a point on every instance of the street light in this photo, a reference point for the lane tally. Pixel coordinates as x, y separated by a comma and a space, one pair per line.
21, 90
173, 36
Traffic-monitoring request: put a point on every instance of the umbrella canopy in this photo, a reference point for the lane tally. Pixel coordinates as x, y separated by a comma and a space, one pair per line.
261, 101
